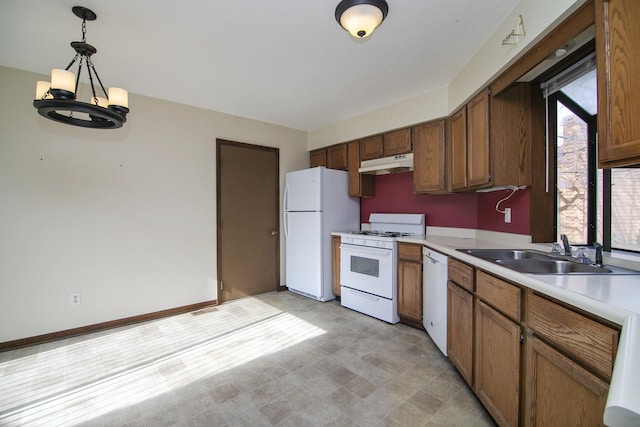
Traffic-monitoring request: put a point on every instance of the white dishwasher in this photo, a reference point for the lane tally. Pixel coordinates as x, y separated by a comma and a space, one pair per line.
434, 304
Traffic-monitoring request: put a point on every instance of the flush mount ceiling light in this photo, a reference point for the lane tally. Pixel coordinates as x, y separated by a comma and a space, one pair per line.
361, 17
56, 100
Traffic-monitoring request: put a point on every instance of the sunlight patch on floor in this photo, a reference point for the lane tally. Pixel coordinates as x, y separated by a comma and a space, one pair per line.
119, 375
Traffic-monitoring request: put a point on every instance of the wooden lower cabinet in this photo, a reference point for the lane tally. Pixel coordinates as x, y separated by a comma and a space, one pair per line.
410, 282
497, 364
460, 330
530, 359
410, 290
559, 391
335, 265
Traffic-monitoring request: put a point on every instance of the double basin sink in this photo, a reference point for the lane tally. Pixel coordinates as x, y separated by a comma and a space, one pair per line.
537, 262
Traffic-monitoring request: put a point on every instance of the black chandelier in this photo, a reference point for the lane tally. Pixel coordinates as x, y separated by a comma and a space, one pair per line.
56, 100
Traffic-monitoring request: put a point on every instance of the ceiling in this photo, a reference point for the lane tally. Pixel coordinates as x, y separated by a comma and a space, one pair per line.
286, 62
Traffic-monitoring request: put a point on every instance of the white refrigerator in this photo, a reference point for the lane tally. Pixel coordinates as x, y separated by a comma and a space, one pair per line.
316, 202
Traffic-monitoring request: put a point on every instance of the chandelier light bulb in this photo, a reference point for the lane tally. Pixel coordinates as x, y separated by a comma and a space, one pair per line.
42, 88
63, 80
119, 97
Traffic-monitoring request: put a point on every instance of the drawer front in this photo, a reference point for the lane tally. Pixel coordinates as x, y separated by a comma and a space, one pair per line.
461, 274
410, 252
501, 295
588, 341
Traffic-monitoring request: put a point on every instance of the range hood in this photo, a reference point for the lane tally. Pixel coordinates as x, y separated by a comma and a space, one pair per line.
399, 163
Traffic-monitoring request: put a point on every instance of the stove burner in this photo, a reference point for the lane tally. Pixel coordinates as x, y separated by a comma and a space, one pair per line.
379, 233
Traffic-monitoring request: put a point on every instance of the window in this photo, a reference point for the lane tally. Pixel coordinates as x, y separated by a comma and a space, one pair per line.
591, 205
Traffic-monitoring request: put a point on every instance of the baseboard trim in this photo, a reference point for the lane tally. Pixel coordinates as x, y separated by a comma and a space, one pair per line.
53, 336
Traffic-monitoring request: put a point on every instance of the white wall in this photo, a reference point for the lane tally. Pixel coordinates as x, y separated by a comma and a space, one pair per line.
126, 217
540, 17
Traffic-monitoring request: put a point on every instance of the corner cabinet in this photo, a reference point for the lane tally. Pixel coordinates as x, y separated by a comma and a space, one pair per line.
335, 265
469, 155
429, 158
410, 282
618, 68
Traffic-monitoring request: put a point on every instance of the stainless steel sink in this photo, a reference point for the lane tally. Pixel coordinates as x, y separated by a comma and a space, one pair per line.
537, 262
551, 266
495, 254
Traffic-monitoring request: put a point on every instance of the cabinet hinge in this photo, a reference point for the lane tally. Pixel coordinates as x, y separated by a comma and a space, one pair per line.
521, 337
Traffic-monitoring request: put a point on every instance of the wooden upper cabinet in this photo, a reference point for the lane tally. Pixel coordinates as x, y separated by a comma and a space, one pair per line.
337, 157
618, 68
318, 158
457, 131
478, 155
371, 148
359, 185
388, 144
429, 158
397, 142
511, 136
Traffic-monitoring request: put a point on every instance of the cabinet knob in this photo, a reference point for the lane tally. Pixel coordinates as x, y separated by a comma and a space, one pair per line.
274, 232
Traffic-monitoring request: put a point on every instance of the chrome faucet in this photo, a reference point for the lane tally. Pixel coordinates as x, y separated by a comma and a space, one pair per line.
598, 247
565, 243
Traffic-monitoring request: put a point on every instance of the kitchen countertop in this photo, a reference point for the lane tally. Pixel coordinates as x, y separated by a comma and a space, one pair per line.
612, 297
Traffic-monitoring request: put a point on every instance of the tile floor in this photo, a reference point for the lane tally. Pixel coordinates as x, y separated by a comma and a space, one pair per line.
276, 359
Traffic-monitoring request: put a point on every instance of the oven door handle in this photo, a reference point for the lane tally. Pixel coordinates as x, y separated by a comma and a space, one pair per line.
380, 252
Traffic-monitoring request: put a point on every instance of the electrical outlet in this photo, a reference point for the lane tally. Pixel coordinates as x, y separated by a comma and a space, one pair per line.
507, 215
74, 299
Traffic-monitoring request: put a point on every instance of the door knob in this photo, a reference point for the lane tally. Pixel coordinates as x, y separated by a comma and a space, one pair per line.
274, 232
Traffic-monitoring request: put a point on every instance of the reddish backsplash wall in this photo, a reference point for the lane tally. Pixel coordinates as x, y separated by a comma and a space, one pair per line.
394, 194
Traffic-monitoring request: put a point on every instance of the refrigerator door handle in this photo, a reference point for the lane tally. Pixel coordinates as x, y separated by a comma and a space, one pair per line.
286, 224
286, 192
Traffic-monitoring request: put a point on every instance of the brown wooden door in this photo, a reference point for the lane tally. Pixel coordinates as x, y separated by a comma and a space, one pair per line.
248, 220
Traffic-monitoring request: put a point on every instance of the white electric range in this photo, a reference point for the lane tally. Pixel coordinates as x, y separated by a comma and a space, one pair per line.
368, 264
